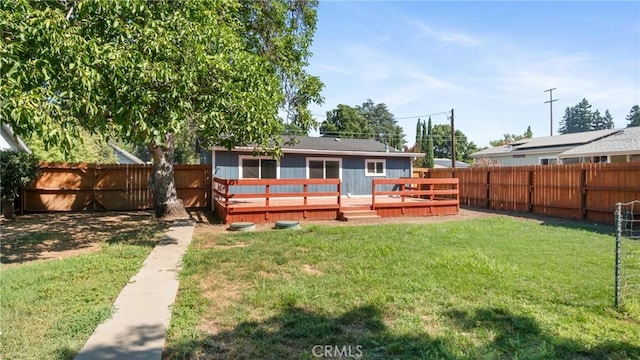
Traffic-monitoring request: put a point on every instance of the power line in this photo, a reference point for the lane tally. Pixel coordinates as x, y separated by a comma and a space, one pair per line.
405, 117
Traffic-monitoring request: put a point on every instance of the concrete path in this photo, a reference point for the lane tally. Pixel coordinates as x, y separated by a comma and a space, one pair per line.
138, 327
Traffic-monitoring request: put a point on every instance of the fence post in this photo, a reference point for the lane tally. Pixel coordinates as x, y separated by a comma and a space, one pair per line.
530, 199
583, 193
618, 220
373, 194
488, 194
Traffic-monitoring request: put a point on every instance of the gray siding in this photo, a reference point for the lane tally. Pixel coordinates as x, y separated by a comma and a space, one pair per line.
293, 166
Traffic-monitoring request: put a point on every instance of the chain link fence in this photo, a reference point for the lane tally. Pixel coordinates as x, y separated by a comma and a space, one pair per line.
627, 276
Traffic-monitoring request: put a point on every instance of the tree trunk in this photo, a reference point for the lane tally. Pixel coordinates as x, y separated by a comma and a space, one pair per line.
166, 204
7, 209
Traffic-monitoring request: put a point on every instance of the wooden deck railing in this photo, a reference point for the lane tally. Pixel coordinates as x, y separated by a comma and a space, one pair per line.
274, 196
442, 191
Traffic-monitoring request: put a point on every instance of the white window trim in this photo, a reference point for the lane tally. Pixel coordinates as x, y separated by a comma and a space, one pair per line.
548, 158
324, 168
366, 167
251, 157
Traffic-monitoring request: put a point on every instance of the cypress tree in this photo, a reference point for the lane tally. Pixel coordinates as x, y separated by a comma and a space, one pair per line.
429, 154
418, 146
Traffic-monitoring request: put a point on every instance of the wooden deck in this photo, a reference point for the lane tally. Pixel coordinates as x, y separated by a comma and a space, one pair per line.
410, 197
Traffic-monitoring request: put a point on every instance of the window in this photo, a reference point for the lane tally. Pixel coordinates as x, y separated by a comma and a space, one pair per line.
549, 161
376, 167
323, 168
258, 168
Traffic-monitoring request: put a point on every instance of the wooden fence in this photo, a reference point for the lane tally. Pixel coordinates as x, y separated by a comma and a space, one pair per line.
576, 191
91, 187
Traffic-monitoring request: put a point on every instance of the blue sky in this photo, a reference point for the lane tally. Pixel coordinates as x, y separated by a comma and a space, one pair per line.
490, 61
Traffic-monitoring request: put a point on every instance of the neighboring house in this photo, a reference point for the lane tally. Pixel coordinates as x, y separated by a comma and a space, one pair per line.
354, 161
540, 151
446, 163
619, 147
9, 140
125, 157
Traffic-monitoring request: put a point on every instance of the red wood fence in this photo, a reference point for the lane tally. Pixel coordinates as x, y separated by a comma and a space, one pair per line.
576, 191
92, 187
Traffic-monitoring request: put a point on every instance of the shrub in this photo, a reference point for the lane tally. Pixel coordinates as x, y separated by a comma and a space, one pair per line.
17, 169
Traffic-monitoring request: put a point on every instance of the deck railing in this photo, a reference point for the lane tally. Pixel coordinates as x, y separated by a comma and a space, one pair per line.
441, 191
275, 195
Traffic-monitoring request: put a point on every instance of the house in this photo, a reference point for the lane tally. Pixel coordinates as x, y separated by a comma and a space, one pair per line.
621, 146
8, 140
540, 151
125, 157
354, 161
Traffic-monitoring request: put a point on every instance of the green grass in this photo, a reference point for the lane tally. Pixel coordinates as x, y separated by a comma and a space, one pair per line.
49, 309
491, 288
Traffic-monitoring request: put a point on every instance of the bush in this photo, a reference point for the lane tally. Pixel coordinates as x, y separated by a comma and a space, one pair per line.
17, 169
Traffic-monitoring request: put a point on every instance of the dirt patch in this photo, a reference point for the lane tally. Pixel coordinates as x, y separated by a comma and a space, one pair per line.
34, 237
311, 270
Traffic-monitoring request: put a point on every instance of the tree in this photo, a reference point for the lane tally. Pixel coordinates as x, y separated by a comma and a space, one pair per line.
144, 71
346, 122
633, 118
87, 148
17, 169
429, 154
600, 122
578, 118
509, 138
385, 127
418, 144
442, 143
367, 121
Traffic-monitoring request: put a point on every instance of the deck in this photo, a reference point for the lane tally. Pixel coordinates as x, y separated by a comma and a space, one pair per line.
322, 199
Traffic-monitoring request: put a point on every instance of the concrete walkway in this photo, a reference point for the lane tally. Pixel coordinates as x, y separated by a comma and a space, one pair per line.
138, 327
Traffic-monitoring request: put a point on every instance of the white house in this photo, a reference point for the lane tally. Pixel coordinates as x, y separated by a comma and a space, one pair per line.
542, 151
8, 140
619, 147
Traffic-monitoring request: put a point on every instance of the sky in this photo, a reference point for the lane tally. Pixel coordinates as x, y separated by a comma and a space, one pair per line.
489, 61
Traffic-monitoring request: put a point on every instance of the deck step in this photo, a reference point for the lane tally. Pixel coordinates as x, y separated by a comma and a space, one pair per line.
358, 214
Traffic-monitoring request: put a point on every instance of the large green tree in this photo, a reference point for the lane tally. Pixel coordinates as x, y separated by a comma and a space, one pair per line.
633, 118
441, 135
580, 118
346, 122
602, 122
385, 127
366, 121
144, 71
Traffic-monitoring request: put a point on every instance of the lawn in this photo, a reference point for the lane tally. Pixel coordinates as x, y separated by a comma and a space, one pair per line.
49, 308
487, 288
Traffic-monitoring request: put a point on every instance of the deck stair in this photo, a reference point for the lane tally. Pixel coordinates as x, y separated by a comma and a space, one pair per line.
358, 214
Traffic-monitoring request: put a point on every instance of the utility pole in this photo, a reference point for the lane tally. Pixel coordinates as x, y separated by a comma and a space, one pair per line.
453, 143
550, 102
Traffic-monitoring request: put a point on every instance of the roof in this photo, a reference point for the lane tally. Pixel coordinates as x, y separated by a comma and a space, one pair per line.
9, 140
134, 159
446, 163
557, 142
625, 141
566, 139
337, 146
